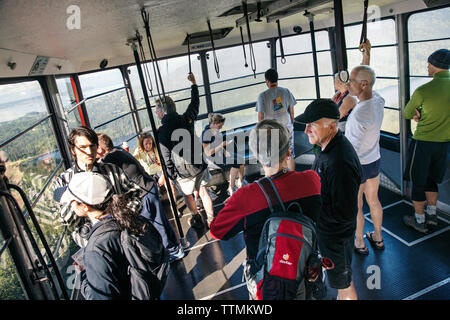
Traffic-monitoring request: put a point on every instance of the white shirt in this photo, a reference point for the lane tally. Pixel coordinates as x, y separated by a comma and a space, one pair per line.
363, 128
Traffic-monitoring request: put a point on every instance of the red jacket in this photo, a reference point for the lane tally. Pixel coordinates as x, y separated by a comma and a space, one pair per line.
247, 208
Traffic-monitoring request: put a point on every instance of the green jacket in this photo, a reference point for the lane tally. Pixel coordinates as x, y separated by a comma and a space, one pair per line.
434, 98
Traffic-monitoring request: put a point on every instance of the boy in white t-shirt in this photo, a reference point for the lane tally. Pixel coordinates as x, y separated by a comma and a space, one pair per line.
278, 103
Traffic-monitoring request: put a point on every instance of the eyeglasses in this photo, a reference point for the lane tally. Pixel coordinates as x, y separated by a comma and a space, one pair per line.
356, 80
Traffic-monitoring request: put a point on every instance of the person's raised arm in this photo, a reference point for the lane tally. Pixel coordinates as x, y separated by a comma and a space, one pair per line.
366, 47
192, 111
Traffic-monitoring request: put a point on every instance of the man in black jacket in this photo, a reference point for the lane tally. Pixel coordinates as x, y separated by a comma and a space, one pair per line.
340, 172
182, 152
152, 208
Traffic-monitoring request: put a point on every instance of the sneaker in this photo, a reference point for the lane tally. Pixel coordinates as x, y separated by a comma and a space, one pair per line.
431, 219
177, 255
410, 221
196, 221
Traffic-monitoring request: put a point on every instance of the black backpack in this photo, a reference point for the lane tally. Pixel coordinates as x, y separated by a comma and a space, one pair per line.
148, 262
288, 265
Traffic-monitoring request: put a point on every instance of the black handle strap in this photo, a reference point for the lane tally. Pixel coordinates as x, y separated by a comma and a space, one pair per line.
188, 37
280, 38
243, 47
216, 62
250, 42
363, 38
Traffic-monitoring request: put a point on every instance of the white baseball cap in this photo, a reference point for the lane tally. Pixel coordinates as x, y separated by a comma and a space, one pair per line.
90, 188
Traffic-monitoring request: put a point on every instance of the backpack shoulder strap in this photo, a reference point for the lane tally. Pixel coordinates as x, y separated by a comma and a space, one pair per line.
272, 196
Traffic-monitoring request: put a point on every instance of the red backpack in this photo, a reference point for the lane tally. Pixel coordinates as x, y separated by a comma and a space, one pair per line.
287, 254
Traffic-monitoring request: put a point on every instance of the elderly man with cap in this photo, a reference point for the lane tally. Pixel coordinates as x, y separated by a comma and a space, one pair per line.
427, 154
340, 172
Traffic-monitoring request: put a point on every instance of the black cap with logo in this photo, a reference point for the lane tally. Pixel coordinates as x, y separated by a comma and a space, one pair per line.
318, 109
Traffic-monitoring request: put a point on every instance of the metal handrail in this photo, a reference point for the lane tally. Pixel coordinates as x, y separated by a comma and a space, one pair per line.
43, 240
32, 240
25, 131
92, 97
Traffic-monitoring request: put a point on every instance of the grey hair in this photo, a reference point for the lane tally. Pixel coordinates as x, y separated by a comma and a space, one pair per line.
166, 104
269, 142
367, 71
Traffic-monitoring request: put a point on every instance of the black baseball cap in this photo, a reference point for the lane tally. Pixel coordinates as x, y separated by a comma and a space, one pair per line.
318, 109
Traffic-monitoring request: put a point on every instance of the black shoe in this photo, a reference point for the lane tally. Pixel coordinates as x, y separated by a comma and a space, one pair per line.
410, 221
431, 219
196, 221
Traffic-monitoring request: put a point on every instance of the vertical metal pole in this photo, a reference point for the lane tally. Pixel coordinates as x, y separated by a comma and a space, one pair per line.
403, 91
55, 108
155, 135
206, 83
131, 99
332, 43
273, 53
314, 53
82, 107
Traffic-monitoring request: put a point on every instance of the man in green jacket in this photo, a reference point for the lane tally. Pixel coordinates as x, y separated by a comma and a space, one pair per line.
427, 154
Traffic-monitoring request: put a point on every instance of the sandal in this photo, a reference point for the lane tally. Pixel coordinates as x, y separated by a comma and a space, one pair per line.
362, 251
379, 245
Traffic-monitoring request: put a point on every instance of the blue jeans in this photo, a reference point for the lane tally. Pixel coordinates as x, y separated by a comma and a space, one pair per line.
154, 211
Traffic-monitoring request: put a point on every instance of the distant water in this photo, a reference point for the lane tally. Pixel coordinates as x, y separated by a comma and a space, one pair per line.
17, 109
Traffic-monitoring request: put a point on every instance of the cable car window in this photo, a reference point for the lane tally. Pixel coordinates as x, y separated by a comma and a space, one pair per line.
297, 73
231, 62
174, 73
379, 32
424, 38
33, 160
383, 60
301, 89
233, 120
234, 75
429, 25
109, 112
21, 105
68, 100
242, 91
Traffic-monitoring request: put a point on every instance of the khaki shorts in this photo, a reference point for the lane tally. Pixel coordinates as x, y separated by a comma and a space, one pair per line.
189, 185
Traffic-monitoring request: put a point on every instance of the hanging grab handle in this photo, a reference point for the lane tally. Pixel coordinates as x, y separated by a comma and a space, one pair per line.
283, 59
145, 18
243, 48
363, 38
250, 43
216, 62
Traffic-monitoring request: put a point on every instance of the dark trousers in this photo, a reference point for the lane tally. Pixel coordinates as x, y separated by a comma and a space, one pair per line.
154, 211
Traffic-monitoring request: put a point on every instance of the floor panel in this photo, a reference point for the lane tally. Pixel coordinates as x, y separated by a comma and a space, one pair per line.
413, 265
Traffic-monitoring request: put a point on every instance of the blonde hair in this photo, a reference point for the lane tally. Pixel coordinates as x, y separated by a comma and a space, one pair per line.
216, 118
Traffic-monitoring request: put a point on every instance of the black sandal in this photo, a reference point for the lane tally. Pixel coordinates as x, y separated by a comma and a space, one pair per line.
362, 251
378, 245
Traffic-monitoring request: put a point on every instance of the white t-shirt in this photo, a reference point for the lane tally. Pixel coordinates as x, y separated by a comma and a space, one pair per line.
363, 128
275, 103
